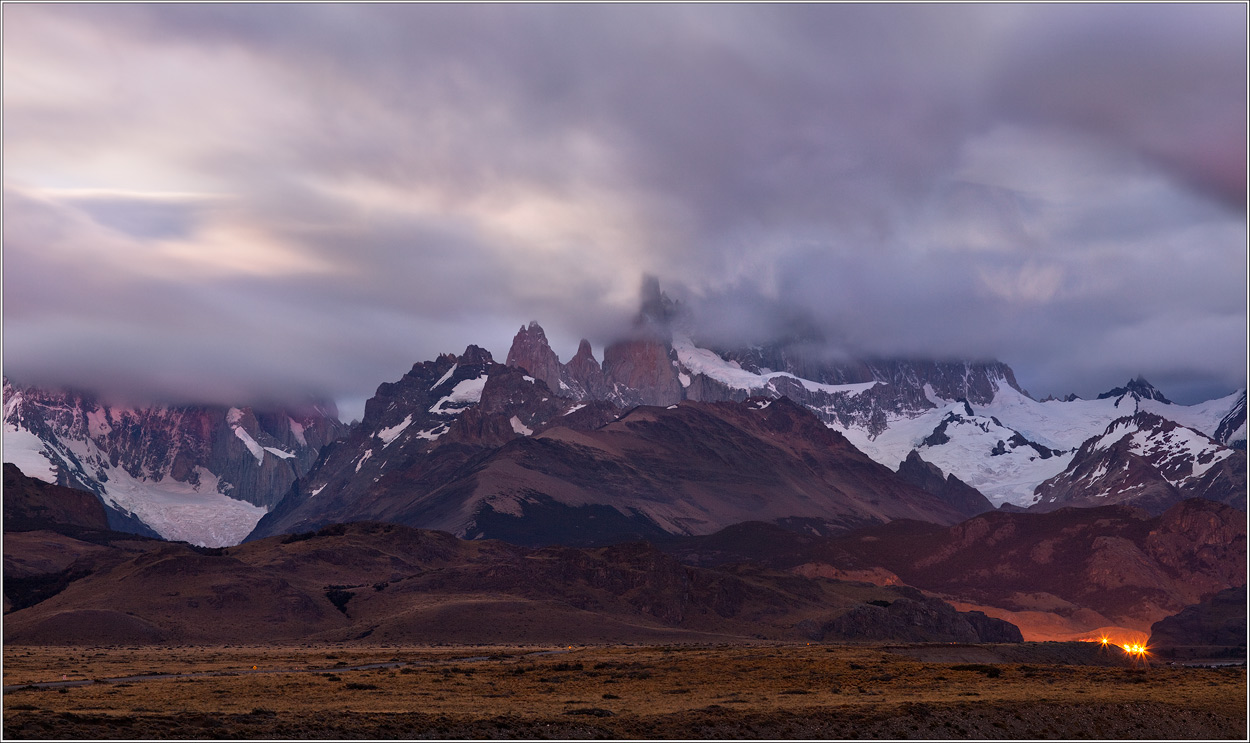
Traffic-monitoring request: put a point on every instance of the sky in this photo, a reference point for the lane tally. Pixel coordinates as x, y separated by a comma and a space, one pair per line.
235, 203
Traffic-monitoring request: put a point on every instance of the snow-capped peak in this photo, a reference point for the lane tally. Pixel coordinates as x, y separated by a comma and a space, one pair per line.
1139, 389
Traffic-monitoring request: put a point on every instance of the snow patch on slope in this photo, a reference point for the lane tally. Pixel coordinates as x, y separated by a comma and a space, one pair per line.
1180, 442
466, 392
256, 449
26, 450
297, 430
234, 417
387, 435
445, 377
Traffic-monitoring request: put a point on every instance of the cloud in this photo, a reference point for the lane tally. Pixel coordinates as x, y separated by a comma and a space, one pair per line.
246, 198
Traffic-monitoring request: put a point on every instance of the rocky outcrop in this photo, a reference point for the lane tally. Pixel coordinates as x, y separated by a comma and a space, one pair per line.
1203, 541
965, 498
1210, 629
916, 618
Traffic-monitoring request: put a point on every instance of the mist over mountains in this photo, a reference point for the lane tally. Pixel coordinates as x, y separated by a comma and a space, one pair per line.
904, 182
451, 445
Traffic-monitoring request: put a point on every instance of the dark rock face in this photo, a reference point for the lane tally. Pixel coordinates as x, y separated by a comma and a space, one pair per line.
918, 619
585, 375
531, 352
1149, 462
1213, 628
534, 468
476, 356
641, 372
402, 421
691, 469
990, 629
966, 499
31, 504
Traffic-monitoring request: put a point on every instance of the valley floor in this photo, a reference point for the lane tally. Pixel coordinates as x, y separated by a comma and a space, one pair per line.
1034, 690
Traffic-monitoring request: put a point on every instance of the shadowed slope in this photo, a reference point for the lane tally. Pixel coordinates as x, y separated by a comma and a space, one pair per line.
389, 583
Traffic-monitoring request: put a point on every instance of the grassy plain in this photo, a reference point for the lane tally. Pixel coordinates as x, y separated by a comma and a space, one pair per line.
726, 691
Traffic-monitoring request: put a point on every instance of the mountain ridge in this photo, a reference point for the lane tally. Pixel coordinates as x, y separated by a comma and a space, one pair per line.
969, 419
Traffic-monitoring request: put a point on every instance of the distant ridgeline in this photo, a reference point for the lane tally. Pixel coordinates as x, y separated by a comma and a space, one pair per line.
663, 437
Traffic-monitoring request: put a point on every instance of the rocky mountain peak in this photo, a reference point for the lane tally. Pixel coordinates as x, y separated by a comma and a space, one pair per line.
1071, 397
585, 374
531, 352
929, 477
657, 309
1151, 462
1138, 389
475, 355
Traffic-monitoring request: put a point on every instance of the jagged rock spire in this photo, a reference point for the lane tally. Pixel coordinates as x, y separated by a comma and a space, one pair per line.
585, 373
531, 352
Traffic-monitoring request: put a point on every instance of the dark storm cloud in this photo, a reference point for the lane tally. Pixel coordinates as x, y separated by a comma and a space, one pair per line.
325, 194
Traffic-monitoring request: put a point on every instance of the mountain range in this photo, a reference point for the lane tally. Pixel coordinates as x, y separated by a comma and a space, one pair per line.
202, 474
670, 489
665, 437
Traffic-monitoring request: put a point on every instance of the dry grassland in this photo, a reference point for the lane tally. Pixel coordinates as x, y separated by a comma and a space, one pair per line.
762, 691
